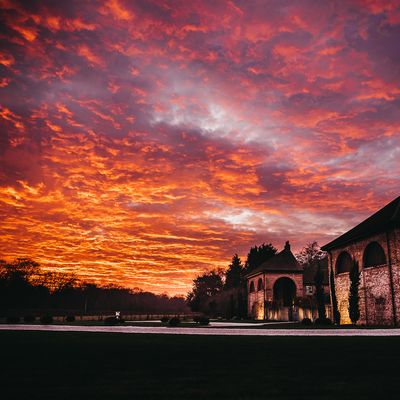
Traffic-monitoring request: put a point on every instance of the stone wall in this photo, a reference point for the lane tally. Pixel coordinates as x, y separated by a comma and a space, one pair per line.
376, 306
256, 300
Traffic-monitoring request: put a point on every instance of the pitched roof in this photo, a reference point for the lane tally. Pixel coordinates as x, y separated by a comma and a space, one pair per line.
283, 261
387, 217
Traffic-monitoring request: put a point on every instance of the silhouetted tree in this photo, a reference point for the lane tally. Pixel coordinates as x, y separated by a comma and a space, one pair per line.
233, 276
204, 288
354, 307
336, 313
310, 253
257, 255
25, 286
319, 293
16, 285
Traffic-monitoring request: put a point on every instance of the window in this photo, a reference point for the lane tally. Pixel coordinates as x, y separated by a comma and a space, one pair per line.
260, 285
344, 262
373, 255
252, 287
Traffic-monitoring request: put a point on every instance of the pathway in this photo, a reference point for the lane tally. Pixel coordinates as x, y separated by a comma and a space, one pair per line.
204, 331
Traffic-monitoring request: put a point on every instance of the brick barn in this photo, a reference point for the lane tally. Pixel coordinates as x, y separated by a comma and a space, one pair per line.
375, 245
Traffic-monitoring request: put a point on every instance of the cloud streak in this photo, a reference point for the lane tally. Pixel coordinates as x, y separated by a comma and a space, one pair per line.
144, 142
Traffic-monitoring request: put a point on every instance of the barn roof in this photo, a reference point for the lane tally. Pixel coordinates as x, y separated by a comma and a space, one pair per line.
386, 218
283, 261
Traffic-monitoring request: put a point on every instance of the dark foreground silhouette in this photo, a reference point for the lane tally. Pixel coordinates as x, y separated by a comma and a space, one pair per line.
47, 365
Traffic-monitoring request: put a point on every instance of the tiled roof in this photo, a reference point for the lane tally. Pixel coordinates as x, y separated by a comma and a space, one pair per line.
386, 218
283, 261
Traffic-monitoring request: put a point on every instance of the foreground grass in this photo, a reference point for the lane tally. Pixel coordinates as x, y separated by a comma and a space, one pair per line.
70, 365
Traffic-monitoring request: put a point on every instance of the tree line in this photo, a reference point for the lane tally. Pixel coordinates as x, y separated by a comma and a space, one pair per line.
26, 287
223, 293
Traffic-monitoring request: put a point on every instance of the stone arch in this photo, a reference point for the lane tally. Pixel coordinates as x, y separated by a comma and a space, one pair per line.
260, 285
284, 291
344, 262
252, 289
373, 255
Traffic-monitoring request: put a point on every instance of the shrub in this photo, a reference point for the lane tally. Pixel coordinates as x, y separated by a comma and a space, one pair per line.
70, 318
204, 321
323, 321
201, 319
174, 321
29, 318
110, 321
164, 320
113, 321
46, 319
12, 319
306, 321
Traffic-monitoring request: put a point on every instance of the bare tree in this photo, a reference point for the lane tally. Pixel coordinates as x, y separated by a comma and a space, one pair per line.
310, 253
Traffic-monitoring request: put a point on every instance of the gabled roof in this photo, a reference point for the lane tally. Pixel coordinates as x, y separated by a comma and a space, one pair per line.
386, 218
283, 261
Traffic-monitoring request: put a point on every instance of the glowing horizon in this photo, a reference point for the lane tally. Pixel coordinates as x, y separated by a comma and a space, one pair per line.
144, 142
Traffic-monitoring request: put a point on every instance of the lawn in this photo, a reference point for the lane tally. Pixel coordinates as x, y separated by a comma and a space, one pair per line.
70, 365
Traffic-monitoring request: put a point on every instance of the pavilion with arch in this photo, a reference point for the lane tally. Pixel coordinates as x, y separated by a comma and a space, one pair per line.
374, 246
274, 286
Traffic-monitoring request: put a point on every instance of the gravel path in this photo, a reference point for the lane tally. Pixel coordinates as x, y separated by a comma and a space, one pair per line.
204, 331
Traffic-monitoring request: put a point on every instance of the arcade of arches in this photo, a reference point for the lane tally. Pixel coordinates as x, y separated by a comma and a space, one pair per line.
374, 247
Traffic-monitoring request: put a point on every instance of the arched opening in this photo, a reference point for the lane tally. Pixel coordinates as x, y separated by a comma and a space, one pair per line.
344, 262
284, 291
374, 255
260, 284
251, 287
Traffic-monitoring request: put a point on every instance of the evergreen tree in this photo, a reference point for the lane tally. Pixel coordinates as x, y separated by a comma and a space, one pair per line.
354, 307
319, 293
257, 255
234, 273
336, 313
205, 287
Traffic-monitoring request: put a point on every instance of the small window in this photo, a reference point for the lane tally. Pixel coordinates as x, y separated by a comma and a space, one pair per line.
344, 262
260, 285
252, 287
374, 255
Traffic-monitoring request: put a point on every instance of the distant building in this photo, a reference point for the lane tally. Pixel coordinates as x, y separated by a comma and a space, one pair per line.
280, 289
375, 245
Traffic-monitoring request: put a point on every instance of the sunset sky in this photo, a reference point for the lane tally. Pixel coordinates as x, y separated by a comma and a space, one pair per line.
144, 142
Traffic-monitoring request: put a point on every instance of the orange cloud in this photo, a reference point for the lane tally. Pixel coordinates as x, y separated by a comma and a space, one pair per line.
143, 145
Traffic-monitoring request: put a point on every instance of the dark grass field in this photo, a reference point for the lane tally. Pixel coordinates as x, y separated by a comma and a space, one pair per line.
70, 365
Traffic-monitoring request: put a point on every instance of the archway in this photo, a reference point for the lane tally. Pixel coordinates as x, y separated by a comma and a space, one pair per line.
374, 255
252, 290
284, 291
344, 262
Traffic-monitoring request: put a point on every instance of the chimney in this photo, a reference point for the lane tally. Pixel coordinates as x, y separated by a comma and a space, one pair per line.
287, 246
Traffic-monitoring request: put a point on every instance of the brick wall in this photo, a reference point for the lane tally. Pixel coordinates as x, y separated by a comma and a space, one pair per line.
376, 306
255, 300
